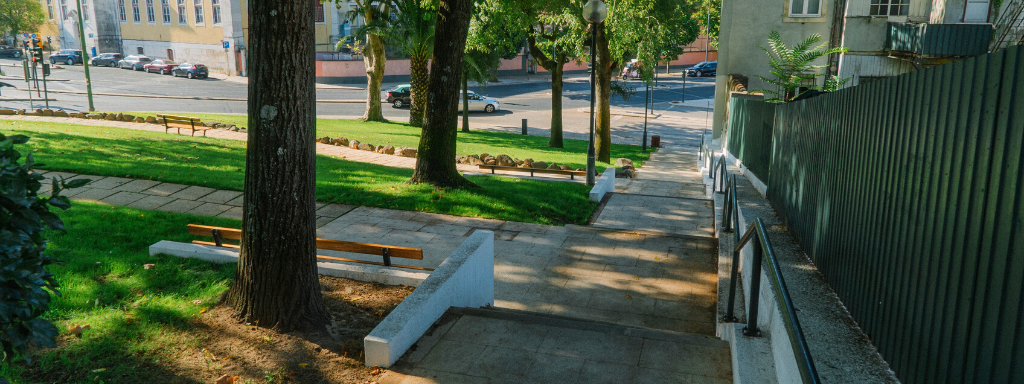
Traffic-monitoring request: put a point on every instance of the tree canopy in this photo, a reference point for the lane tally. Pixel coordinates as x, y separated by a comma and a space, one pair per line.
18, 16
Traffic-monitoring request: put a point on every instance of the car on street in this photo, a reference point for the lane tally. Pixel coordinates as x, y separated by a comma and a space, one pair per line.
8, 51
703, 68
480, 103
631, 70
106, 59
134, 62
400, 96
191, 71
66, 56
160, 66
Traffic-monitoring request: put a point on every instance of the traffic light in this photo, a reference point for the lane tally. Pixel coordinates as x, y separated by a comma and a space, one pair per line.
37, 53
48, 41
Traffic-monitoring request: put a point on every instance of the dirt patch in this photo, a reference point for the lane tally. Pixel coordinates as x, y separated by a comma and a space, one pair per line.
260, 355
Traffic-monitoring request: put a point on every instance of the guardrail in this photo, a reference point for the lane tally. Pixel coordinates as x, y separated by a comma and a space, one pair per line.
761, 247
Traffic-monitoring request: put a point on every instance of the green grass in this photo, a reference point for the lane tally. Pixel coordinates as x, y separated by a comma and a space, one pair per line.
472, 143
138, 316
218, 163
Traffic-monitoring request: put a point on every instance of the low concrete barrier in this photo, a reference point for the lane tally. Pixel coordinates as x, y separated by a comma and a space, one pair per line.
604, 184
464, 279
361, 272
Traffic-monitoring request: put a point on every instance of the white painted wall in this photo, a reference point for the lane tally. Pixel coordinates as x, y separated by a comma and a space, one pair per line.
214, 56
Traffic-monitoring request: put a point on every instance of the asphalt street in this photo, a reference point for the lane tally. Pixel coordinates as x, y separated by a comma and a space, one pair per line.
521, 97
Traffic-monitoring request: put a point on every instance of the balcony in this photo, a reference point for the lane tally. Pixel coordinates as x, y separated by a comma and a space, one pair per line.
925, 43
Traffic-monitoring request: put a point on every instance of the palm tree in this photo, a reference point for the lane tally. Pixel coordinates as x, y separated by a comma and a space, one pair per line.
792, 66
376, 16
412, 30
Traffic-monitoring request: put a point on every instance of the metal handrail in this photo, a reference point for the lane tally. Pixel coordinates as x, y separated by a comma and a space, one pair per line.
761, 247
718, 175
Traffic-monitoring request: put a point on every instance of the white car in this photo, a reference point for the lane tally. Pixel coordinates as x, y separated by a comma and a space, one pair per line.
480, 103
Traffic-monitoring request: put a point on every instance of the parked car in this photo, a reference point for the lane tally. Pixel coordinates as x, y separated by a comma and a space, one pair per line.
631, 70
67, 56
106, 59
162, 67
191, 71
7, 51
400, 96
134, 62
703, 68
480, 103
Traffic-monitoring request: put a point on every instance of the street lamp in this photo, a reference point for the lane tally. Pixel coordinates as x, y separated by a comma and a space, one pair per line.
595, 12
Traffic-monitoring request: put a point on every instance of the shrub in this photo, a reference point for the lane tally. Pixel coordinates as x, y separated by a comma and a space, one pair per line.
25, 285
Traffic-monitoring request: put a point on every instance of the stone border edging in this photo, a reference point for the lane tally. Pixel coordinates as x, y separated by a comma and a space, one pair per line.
604, 184
464, 279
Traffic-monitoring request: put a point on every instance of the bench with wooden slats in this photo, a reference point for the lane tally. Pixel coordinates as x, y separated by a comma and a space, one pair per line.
572, 174
220, 234
179, 122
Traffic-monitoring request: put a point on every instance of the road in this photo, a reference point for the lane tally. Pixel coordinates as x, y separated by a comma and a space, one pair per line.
521, 98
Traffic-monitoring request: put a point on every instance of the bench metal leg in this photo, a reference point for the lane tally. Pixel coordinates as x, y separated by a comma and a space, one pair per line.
387, 256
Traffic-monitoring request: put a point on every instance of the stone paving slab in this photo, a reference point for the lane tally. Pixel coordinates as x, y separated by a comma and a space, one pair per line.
151, 202
180, 206
192, 193
123, 198
220, 197
656, 214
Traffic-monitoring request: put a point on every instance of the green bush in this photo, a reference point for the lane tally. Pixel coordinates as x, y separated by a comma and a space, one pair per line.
25, 285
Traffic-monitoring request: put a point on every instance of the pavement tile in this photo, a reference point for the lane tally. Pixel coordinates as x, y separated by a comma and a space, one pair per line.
400, 224
151, 202
108, 182
517, 365
165, 189
123, 198
503, 333
445, 229
180, 206
334, 210
475, 222
209, 209
593, 346
687, 358
93, 194
137, 185
597, 372
454, 357
236, 201
220, 197
192, 193
232, 213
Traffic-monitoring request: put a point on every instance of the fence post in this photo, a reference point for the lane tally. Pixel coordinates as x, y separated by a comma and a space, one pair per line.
755, 288
524, 126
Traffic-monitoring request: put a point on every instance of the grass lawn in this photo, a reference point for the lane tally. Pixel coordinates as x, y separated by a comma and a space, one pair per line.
219, 164
139, 318
475, 142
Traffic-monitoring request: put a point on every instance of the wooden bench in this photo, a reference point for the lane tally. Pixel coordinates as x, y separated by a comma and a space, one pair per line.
220, 234
179, 122
572, 174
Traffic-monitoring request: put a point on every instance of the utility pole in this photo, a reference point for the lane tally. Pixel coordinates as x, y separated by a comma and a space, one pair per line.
85, 57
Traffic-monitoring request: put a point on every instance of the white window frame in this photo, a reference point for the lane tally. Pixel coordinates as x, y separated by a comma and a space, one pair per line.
903, 7
215, 9
805, 4
122, 11
150, 12
182, 13
197, 5
136, 12
165, 11
49, 8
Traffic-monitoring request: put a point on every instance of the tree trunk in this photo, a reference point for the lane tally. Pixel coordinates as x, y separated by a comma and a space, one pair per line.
418, 82
374, 59
556, 101
603, 131
465, 102
435, 160
276, 283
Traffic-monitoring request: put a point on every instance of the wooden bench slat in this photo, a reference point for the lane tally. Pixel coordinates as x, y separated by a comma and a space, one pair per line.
533, 170
179, 122
325, 244
322, 257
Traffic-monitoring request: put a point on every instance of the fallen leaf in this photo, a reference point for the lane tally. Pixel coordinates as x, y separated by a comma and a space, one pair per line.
201, 311
99, 370
148, 266
303, 365
629, 297
376, 371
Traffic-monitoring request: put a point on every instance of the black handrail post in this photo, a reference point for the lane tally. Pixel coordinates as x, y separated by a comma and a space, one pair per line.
730, 313
755, 290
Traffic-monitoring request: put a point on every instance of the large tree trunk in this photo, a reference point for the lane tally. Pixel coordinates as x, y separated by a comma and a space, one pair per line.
556, 102
276, 283
418, 81
374, 59
465, 102
603, 134
435, 160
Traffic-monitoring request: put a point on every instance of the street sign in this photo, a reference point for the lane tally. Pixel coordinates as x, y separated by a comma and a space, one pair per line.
33, 35
226, 44
25, 35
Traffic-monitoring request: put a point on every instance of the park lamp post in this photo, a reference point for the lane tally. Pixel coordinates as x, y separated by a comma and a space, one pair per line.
595, 12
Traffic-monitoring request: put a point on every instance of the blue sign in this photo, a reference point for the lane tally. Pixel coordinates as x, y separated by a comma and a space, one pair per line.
25, 35
226, 44
33, 35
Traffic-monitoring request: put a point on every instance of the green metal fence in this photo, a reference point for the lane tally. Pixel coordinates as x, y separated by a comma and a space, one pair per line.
750, 134
908, 194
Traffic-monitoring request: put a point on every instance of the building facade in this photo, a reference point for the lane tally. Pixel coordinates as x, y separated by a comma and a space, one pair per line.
884, 38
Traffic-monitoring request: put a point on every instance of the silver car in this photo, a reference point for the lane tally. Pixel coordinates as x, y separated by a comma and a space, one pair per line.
480, 103
134, 62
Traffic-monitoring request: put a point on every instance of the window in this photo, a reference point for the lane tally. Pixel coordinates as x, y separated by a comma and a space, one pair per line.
805, 8
318, 11
139, 49
199, 11
49, 8
150, 14
136, 14
64, 9
216, 11
121, 11
890, 7
85, 10
165, 7
182, 16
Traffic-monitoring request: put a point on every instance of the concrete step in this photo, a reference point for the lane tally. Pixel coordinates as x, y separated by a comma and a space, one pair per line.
499, 345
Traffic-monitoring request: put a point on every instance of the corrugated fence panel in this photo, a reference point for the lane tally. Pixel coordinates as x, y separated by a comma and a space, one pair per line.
908, 194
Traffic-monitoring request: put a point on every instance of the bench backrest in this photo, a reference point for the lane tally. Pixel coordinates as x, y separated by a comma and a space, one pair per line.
325, 244
533, 170
179, 119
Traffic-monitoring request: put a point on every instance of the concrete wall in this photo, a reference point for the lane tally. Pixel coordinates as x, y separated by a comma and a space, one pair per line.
212, 55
